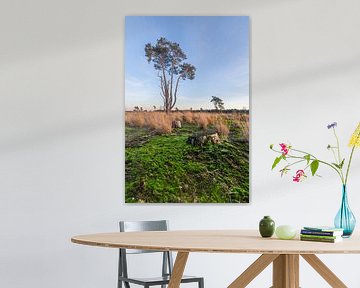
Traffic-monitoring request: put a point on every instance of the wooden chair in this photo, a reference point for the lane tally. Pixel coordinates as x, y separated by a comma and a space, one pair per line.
167, 262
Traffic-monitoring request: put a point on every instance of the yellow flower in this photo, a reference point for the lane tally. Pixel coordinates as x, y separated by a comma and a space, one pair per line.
355, 137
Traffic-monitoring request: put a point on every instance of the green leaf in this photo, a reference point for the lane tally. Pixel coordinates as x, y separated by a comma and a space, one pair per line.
336, 165
339, 166
276, 161
307, 157
342, 163
271, 146
314, 166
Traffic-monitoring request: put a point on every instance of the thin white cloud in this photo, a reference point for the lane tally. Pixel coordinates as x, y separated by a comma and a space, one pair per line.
133, 82
142, 93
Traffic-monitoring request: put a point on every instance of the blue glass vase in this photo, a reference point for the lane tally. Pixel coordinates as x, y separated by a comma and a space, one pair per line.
345, 219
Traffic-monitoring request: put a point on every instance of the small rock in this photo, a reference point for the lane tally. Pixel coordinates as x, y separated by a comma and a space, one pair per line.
214, 138
202, 139
176, 124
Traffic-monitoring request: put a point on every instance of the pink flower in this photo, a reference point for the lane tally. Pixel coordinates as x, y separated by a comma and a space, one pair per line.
300, 174
284, 148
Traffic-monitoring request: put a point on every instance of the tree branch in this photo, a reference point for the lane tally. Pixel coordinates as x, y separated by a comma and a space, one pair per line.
166, 86
162, 86
171, 84
176, 89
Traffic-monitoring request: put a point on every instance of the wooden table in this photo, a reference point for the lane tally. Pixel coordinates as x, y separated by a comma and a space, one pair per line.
284, 254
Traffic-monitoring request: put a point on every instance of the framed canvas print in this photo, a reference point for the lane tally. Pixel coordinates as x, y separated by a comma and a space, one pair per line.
187, 109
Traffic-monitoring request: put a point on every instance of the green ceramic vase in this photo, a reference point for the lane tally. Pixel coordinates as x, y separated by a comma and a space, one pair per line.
266, 227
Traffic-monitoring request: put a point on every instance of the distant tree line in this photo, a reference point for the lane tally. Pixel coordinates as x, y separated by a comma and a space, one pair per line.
225, 111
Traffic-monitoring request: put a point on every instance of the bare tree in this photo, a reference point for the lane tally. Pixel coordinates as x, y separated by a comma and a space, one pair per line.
168, 60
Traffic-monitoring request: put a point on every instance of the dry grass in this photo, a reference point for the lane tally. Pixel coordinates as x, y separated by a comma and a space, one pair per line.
188, 117
161, 122
136, 119
242, 122
222, 129
177, 116
158, 121
202, 120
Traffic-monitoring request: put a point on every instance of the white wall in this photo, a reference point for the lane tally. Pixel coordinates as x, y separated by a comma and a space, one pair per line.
62, 132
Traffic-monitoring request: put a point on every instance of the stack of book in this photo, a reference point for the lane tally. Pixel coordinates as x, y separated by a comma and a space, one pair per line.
321, 234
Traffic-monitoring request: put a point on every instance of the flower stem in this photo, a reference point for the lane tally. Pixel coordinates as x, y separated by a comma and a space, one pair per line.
339, 156
333, 152
323, 162
296, 162
338, 146
300, 151
338, 171
348, 167
313, 158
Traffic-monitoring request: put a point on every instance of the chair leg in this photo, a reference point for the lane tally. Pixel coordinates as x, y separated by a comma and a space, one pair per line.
201, 283
119, 270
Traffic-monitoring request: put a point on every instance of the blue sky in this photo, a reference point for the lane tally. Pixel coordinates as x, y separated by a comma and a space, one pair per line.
218, 46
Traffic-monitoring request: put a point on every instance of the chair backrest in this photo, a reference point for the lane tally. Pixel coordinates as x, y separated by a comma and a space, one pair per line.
134, 226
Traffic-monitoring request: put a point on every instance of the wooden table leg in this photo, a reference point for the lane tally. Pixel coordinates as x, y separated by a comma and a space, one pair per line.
324, 271
253, 270
286, 271
178, 270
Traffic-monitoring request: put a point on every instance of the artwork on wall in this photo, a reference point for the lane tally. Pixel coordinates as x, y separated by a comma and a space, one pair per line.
187, 109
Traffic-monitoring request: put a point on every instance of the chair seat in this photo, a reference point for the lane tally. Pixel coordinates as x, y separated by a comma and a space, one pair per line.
158, 280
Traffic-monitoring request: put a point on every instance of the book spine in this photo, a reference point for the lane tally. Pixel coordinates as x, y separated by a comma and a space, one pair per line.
320, 233
319, 236
318, 239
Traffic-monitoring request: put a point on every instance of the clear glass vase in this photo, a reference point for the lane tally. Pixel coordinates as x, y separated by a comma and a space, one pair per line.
345, 219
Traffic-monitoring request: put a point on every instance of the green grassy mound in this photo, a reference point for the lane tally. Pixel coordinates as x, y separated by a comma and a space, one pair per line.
165, 169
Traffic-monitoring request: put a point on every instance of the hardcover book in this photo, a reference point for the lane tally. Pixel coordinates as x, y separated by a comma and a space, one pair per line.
325, 240
320, 237
321, 233
323, 228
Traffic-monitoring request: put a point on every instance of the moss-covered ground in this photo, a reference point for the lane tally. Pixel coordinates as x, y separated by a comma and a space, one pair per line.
166, 169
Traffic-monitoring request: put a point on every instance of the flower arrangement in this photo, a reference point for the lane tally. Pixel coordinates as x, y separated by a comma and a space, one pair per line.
293, 156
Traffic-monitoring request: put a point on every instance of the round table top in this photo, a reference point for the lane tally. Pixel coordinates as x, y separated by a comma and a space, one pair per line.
219, 241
